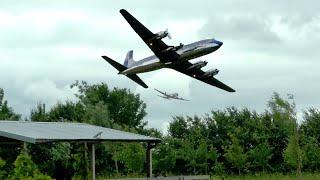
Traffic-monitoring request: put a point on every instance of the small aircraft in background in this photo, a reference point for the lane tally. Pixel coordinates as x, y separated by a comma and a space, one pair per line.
170, 96
173, 57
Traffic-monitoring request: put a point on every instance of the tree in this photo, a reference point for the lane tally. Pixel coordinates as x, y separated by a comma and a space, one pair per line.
187, 152
286, 110
2, 171
8, 152
60, 160
39, 113
125, 108
282, 114
311, 124
26, 169
6, 112
235, 154
164, 157
98, 114
293, 154
68, 111
261, 155
117, 108
178, 128
312, 154
133, 157
204, 154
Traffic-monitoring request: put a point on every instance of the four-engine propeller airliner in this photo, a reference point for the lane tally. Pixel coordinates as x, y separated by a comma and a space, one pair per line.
174, 57
170, 96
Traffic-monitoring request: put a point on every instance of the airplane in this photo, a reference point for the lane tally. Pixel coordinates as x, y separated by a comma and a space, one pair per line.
170, 96
174, 57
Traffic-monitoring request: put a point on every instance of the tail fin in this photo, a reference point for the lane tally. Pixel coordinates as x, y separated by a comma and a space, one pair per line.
128, 62
121, 68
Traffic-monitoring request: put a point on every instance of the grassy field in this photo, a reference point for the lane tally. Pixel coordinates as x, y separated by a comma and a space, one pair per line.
276, 176
305, 176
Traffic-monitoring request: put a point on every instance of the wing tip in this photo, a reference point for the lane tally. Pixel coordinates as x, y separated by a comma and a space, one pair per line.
106, 58
123, 11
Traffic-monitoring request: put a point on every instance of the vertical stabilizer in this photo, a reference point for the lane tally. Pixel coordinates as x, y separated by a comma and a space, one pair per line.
128, 62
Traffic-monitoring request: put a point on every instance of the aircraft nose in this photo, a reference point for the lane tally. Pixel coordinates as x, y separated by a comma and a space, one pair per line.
217, 42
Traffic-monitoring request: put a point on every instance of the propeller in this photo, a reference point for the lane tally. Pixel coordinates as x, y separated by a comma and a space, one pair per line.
168, 34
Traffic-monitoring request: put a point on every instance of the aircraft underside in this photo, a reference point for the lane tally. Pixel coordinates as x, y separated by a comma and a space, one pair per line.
174, 57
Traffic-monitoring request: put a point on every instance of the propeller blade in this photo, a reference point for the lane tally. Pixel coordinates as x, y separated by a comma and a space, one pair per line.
168, 34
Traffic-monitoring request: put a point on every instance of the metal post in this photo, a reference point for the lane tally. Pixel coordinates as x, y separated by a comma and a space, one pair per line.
86, 164
25, 147
93, 161
149, 160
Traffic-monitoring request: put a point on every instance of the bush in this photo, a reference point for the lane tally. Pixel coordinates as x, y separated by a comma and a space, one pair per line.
2, 172
26, 169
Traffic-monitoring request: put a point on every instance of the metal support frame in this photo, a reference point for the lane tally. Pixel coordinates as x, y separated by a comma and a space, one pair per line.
150, 146
93, 162
25, 148
86, 165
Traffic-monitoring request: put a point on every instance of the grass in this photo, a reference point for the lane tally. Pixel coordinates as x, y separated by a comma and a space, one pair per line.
276, 176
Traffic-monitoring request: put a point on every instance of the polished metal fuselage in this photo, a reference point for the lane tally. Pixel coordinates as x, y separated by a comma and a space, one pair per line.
187, 52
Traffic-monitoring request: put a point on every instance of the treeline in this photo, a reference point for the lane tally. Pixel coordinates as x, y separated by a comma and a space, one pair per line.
235, 141
230, 141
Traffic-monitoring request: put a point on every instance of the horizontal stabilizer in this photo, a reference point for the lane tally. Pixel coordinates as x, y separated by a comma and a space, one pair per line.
121, 68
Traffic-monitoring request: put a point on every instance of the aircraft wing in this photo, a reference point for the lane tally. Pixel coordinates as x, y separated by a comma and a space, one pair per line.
198, 73
182, 99
159, 48
160, 92
165, 97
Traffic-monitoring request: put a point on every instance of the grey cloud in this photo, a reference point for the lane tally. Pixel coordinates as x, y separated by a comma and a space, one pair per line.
255, 59
238, 27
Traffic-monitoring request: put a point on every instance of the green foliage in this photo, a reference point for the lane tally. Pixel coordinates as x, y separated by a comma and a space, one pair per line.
164, 157
269, 176
283, 125
2, 171
312, 154
188, 154
6, 112
68, 111
218, 168
260, 155
39, 113
311, 124
26, 169
98, 114
178, 128
119, 102
133, 157
96, 105
151, 132
293, 154
222, 142
7, 152
235, 154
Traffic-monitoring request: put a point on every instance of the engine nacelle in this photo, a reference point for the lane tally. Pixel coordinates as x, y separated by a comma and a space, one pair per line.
198, 65
173, 48
210, 73
176, 48
161, 35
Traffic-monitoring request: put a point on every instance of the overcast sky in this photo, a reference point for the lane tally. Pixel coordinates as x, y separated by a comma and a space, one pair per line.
269, 46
